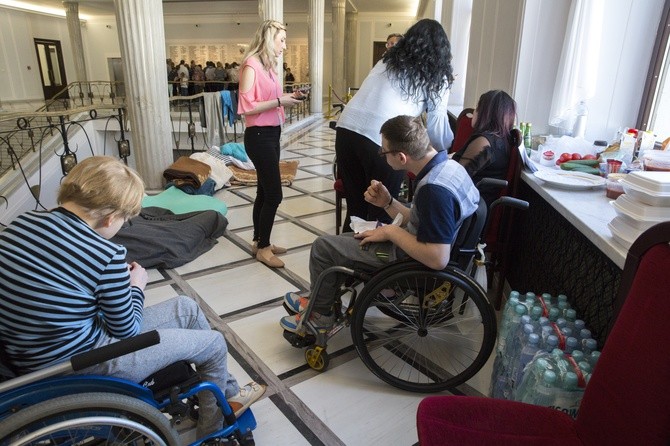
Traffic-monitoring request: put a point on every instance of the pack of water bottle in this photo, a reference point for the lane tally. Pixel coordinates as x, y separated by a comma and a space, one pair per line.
545, 354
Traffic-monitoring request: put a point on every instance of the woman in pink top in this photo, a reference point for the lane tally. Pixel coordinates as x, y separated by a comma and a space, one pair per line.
262, 101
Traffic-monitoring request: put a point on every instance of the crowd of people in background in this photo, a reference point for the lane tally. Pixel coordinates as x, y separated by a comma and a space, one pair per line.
189, 79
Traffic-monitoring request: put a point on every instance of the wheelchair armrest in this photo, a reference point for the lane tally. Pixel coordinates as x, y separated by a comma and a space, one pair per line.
123, 347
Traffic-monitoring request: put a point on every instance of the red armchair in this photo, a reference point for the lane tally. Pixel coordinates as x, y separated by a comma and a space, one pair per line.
627, 400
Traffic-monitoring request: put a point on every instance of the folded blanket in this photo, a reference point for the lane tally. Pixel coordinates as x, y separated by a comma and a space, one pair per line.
287, 171
187, 171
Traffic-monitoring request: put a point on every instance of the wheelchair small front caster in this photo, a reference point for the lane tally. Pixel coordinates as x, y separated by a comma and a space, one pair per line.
247, 440
317, 358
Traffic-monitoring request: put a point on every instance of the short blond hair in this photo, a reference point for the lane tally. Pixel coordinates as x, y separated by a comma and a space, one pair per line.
102, 186
262, 44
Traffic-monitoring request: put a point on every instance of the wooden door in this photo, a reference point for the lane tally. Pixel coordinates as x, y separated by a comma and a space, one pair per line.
52, 70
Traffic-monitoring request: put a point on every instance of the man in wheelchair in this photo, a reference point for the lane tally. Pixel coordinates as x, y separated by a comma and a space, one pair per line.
444, 197
66, 289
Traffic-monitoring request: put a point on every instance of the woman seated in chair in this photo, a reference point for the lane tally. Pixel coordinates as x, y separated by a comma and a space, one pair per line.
486, 154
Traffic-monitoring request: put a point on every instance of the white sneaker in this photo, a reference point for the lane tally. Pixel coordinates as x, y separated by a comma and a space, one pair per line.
247, 395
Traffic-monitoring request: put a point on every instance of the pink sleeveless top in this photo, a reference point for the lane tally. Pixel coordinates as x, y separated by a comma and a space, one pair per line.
266, 87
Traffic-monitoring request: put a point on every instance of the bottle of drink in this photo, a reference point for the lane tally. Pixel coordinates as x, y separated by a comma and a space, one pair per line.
571, 344
546, 297
550, 343
527, 354
570, 316
528, 138
593, 358
569, 395
545, 394
584, 333
554, 314
578, 325
578, 355
533, 373
507, 314
589, 345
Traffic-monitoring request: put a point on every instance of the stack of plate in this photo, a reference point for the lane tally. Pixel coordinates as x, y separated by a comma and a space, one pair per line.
646, 202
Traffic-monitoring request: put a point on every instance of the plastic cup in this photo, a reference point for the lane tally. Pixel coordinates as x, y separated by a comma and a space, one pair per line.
613, 166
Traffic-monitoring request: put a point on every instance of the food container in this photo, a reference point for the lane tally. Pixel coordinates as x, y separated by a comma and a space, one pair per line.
547, 158
622, 232
640, 211
656, 160
652, 188
614, 187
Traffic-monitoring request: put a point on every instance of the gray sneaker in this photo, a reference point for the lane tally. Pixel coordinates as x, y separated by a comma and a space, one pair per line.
319, 321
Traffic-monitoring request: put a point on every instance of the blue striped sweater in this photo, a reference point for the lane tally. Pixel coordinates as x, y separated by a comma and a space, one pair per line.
61, 286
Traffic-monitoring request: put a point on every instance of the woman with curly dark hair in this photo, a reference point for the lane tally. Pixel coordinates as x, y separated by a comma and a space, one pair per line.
486, 153
413, 77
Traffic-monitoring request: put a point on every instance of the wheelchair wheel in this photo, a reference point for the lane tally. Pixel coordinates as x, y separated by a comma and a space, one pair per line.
317, 358
89, 419
423, 330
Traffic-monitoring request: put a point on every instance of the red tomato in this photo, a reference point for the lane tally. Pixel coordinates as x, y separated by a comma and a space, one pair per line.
576, 156
589, 157
565, 157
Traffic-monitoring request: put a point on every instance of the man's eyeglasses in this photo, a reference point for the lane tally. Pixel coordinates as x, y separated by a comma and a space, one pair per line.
383, 154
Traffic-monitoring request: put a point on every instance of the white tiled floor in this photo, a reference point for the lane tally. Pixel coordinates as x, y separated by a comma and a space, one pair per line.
345, 405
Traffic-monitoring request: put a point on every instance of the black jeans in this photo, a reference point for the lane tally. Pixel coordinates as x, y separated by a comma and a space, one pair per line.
358, 163
262, 146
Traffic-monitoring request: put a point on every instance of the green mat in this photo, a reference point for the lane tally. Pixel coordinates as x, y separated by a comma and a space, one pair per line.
179, 202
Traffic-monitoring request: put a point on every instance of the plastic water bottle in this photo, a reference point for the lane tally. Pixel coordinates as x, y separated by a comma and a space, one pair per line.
530, 300
589, 345
571, 344
570, 316
584, 334
546, 297
550, 343
527, 354
533, 372
578, 355
554, 313
593, 358
508, 312
569, 396
578, 325
545, 394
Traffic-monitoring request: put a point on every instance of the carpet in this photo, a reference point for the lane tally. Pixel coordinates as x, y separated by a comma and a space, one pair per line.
287, 170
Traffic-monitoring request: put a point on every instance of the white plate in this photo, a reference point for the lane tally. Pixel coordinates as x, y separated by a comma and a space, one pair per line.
565, 179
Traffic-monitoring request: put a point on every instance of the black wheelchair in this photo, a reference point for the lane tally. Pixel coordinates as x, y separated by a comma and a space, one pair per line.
53, 407
418, 329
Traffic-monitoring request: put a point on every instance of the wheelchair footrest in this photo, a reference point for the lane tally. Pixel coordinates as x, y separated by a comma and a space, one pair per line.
299, 341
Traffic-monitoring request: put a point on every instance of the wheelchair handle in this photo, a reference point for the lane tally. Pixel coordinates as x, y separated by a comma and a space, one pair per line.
120, 348
511, 202
501, 184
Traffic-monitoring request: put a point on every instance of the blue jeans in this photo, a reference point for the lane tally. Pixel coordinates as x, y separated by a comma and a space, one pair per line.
185, 335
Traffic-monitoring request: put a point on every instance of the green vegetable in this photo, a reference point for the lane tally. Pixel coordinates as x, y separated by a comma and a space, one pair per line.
579, 167
590, 163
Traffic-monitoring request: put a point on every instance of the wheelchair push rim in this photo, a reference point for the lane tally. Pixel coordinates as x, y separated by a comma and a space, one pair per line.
423, 330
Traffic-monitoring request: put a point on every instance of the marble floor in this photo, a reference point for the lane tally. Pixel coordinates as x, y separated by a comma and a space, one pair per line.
346, 404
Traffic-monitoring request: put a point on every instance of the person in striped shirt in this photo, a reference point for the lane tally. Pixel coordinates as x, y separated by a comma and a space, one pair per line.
66, 289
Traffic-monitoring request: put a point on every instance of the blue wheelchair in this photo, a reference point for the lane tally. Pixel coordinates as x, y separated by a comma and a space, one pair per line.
52, 407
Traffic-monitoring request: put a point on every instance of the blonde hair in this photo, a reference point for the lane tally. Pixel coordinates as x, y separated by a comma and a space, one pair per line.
102, 186
262, 44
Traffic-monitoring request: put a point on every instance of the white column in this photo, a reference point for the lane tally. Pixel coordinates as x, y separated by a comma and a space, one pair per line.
350, 56
338, 47
315, 34
74, 29
142, 42
274, 10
